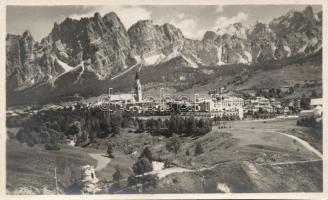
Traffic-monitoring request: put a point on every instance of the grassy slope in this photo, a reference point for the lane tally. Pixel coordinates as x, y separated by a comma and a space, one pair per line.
264, 78
302, 177
242, 143
34, 166
229, 148
243, 160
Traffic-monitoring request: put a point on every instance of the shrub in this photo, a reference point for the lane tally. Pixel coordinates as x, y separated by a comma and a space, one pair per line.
198, 149
50, 147
142, 166
132, 180
146, 153
110, 150
117, 177
128, 149
148, 182
173, 145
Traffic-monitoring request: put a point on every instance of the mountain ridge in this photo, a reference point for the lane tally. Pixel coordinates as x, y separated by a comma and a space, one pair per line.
103, 48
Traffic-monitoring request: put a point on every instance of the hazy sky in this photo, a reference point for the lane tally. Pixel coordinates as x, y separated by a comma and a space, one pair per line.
193, 20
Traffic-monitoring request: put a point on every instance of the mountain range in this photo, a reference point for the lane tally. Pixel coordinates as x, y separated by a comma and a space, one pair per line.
85, 56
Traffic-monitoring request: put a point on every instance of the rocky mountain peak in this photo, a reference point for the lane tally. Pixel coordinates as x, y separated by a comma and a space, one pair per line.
172, 32
107, 48
319, 15
308, 12
27, 35
97, 16
113, 19
235, 29
210, 35
261, 31
146, 38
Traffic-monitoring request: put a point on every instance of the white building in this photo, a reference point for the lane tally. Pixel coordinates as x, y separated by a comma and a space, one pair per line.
229, 107
316, 109
316, 102
123, 98
233, 102
261, 103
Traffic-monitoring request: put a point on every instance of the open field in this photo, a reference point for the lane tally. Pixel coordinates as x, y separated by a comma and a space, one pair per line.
248, 156
312, 136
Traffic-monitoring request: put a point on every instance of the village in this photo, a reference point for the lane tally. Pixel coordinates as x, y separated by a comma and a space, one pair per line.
216, 104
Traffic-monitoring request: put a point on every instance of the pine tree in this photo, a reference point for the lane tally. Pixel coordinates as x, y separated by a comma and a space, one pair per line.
117, 175
198, 149
110, 150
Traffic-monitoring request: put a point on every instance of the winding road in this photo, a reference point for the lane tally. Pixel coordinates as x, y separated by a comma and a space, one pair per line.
102, 160
302, 142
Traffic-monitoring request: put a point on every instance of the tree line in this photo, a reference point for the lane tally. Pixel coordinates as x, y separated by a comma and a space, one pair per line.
184, 126
83, 125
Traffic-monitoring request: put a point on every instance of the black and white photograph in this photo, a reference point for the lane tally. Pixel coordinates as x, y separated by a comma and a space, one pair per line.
163, 98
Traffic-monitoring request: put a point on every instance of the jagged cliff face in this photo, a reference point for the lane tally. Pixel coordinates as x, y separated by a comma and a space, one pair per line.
291, 34
298, 32
152, 43
27, 62
102, 46
101, 41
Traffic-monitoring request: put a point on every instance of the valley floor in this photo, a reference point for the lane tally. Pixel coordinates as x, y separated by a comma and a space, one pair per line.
247, 156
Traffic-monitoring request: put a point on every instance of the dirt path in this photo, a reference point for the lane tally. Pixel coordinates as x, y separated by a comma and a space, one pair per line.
302, 142
102, 160
291, 162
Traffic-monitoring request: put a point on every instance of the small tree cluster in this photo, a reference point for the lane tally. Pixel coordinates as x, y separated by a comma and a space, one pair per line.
188, 126
142, 166
173, 144
85, 124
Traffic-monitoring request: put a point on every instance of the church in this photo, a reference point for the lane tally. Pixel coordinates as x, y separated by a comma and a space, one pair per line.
129, 98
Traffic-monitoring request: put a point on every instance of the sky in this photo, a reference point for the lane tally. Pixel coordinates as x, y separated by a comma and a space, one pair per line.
193, 20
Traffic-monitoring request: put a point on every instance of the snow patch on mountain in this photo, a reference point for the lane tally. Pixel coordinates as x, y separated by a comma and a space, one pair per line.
219, 55
53, 79
191, 63
302, 49
198, 60
153, 60
233, 29
248, 55
173, 54
65, 66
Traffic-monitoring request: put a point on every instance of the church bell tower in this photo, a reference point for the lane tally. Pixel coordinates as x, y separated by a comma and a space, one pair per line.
138, 93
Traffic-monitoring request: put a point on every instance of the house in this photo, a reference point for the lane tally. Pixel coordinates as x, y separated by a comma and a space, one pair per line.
229, 107
316, 102
306, 113
233, 101
122, 98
